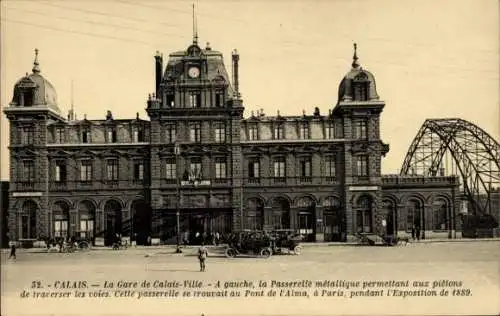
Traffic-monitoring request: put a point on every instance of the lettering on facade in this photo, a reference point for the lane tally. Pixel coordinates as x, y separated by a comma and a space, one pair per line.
26, 194
364, 188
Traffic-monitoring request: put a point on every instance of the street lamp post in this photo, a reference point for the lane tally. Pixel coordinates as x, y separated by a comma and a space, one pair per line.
177, 213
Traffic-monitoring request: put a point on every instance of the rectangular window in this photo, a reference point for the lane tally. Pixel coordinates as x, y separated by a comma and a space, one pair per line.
195, 99
195, 132
279, 167
360, 129
279, 131
254, 169
253, 132
60, 228
220, 168
138, 135
220, 132
170, 100
28, 135
112, 170
28, 174
330, 131
59, 136
86, 136
138, 170
112, 138
305, 168
219, 99
330, 167
86, 171
171, 134
362, 165
60, 171
171, 169
195, 169
304, 131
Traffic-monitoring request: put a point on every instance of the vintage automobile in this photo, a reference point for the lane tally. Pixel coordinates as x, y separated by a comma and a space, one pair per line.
256, 243
286, 241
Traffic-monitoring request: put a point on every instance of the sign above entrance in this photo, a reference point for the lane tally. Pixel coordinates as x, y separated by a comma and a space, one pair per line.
195, 183
364, 188
26, 194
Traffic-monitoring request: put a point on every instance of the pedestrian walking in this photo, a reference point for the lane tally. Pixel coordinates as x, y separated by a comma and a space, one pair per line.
202, 256
12, 251
417, 232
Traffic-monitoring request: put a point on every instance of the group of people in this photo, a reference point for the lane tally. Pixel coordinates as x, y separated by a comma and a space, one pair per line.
197, 238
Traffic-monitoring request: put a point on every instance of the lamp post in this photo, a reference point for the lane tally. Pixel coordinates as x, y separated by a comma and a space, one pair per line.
177, 211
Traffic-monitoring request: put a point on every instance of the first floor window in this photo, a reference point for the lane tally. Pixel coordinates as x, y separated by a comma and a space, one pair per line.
86, 170
305, 167
254, 169
28, 135
171, 169
171, 134
138, 170
362, 165
220, 133
330, 167
360, 129
28, 174
112, 169
279, 167
195, 132
220, 168
60, 171
195, 169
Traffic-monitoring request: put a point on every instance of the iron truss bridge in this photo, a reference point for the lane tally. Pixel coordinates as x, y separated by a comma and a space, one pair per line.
457, 147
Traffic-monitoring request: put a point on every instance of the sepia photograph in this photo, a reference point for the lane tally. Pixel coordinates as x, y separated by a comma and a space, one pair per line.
267, 158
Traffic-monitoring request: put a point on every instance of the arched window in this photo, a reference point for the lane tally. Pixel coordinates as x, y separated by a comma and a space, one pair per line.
414, 215
60, 213
281, 213
86, 212
361, 86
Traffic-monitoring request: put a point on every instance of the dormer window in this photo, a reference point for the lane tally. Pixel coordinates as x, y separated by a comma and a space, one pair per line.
361, 86
59, 135
304, 130
112, 137
279, 132
330, 131
86, 136
28, 97
138, 135
195, 99
253, 132
219, 98
170, 99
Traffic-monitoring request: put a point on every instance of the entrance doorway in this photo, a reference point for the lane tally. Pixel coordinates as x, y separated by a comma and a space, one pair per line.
113, 213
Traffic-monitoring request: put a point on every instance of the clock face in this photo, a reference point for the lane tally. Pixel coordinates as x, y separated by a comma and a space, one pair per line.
193, 72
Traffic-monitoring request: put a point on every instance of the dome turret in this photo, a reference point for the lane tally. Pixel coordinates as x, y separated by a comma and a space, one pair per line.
358, 84
33, 90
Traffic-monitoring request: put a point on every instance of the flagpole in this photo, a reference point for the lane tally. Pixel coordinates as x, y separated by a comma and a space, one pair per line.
177, 211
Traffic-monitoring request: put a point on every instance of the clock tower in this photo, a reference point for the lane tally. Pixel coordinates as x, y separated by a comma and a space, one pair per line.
195, 142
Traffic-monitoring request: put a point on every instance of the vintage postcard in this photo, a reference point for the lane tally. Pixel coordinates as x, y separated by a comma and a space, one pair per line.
250, 157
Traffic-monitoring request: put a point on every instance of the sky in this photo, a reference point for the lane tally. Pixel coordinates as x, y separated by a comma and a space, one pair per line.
431, 59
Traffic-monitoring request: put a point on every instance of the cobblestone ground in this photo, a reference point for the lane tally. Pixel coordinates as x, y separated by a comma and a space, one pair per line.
474, 264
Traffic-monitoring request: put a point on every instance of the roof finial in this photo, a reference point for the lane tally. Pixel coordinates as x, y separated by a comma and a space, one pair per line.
36, 68
195, 29
355, 63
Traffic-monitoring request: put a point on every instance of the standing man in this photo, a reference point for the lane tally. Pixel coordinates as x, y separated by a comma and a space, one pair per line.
12, 250
202, 256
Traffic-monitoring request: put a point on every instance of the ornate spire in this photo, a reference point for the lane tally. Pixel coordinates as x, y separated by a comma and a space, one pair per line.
36, 68
195, 29
355, 63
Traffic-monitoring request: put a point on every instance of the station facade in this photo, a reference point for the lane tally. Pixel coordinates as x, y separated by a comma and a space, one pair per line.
199, 164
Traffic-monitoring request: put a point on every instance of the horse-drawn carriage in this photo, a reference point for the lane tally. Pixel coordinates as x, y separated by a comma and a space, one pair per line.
286, 241
256, 243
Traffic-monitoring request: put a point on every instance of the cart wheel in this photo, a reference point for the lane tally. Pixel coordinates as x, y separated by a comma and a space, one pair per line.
266, 253
83, 245
297, 250
230, 253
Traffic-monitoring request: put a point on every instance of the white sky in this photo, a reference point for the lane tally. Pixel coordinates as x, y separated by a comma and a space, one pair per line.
431, 59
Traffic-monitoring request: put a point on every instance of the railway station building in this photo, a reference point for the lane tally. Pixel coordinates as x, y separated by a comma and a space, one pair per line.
201, 160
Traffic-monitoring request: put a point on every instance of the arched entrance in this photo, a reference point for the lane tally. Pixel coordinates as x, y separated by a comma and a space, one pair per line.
254, 214
113, 218
60, 219
364, 212
28, 220
140, 214
86, 225
280, 218
415, 221
334, 220
389, 207
306, 215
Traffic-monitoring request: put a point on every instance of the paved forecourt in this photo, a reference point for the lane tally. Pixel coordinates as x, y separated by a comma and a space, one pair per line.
321, 280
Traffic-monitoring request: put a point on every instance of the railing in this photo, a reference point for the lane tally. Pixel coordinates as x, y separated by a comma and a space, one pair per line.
418, 180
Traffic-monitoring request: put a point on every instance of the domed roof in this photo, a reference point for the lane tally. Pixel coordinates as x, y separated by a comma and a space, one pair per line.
357, 75
44, 93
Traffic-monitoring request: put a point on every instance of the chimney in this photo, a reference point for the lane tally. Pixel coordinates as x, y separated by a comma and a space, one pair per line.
236, 59
159, 70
